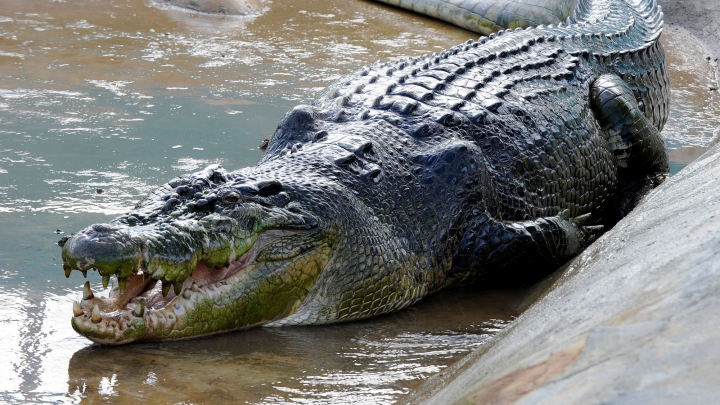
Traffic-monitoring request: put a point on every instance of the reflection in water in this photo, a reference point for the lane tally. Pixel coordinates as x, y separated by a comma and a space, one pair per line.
122, 95
363, 362
99, 94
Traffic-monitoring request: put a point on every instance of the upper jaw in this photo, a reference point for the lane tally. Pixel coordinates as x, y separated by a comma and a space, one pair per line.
170, 250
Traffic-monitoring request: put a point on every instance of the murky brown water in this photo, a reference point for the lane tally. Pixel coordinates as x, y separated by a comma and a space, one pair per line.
695, 107
120, 95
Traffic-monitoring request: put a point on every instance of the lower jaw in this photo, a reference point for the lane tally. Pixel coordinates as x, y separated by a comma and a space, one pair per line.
117, 319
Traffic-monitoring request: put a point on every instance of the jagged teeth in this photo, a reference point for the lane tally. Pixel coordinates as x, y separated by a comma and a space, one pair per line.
186, 294
87, 292
84, 273
152, 284
194, 287
139, 310
77, 311
122, 283
105, 281
67, 269
165, 288
96, 317
178, 288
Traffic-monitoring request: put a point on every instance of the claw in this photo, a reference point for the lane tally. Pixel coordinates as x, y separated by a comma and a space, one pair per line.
564, 214
105, 281
77, 311
139, 310
582, 219
87, 292
96, 317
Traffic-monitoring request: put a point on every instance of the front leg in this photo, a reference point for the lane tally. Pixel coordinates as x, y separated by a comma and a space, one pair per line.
521, 252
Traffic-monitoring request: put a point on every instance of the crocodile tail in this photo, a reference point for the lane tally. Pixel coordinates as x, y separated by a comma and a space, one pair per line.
582, 11
652, 21
488, 16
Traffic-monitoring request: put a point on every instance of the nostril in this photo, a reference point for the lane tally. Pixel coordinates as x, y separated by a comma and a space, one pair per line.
269, 188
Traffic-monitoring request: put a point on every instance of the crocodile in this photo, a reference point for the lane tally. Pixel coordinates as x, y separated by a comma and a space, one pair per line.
496, 160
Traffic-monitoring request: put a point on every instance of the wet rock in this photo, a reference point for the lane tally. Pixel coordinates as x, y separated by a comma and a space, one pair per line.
229, 7
634, 319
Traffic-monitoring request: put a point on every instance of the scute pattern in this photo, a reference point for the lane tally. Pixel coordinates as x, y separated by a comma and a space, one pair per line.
496, 159
491, 132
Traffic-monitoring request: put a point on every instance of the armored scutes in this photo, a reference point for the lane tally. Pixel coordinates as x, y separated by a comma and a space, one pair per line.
499, 158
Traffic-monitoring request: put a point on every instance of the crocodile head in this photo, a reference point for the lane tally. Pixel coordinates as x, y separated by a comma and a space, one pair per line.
228, 252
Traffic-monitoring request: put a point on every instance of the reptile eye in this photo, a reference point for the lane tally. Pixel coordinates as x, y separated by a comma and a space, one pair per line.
269, 188
231, 197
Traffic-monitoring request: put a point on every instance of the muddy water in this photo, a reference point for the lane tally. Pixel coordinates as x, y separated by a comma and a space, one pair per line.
695, 104
100, 101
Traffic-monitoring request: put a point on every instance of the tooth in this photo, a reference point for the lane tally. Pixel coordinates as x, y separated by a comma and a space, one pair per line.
96, 318
186, 294
177, 288
122, 283
77, 311
165, 288
87, 292
106, 280
67, 269
84, 273
152, 284
194, 287
139, 310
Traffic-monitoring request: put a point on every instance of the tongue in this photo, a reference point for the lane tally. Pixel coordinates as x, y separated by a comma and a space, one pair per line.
136, 284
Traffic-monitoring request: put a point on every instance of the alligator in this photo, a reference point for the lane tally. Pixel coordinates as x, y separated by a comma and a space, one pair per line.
496, 160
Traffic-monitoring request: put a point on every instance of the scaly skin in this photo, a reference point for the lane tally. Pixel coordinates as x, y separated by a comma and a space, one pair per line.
499, 158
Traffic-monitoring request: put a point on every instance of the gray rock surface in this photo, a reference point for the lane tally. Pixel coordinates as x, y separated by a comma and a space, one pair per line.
635, 319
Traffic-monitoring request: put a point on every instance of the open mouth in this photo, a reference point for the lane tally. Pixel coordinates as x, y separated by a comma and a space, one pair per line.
143, 307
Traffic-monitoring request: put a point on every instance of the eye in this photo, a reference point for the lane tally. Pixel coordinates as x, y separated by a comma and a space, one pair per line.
231, 197
269, 188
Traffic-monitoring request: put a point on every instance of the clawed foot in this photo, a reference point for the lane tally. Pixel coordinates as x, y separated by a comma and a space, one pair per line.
586, 234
